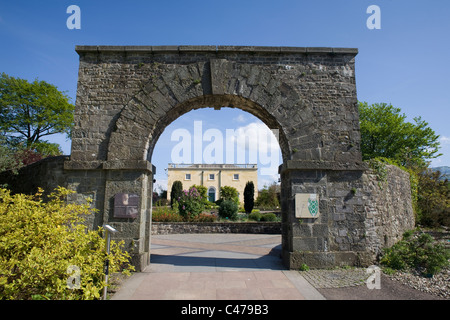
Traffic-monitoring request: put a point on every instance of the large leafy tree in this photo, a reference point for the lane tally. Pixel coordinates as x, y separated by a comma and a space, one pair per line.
386, 133
433, 201
31, 111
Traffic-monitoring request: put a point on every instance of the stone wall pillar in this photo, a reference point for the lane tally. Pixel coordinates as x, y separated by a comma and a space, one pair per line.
108, 179
336, 236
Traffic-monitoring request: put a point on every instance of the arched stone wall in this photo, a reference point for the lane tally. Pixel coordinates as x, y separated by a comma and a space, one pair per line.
127, 96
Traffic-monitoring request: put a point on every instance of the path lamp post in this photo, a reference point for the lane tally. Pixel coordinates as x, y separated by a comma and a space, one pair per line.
109, 230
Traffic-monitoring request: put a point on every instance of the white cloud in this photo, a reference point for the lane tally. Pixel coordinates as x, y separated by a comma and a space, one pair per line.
240, 118
267, 180
444, 140
257, 137
260, 144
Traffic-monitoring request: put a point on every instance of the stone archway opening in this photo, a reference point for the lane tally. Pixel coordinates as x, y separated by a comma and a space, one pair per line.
230, 136
217, 102
212, 124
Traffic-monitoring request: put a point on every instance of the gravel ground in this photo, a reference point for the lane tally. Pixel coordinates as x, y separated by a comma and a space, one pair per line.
350, 284
438, 285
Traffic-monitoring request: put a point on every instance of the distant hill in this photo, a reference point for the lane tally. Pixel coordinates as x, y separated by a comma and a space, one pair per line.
445, 171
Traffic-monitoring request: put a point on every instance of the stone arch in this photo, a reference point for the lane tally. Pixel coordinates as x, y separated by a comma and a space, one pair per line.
172, 93
126, 96
149, 129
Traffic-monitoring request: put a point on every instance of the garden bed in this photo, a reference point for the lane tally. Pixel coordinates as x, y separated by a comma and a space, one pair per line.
216, 227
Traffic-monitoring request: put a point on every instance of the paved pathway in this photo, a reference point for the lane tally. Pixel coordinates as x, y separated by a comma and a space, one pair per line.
216, 267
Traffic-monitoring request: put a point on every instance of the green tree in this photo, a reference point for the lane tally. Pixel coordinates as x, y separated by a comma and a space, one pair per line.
249, 196
31, 111
267, 197
433, 201
386, 133
229, 193
176, 192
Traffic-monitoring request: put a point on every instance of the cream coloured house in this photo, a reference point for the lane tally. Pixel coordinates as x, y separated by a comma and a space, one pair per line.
213, 177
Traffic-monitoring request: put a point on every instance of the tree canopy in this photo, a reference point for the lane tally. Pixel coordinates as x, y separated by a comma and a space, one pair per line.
386, 133
31, 111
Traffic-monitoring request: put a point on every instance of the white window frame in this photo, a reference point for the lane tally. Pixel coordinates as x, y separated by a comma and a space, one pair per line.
186, 176
213, 176
234, 176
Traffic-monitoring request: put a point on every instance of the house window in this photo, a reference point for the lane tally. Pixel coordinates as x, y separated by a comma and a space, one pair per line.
211, 176
187, 176
236, 176
212, 194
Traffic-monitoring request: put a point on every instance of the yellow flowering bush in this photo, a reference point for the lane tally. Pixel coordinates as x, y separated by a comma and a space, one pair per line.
46, 252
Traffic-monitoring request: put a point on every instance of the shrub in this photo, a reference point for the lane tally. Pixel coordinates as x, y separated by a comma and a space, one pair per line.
228, 210
202, 217
203, 191
269, 217
191, 203
229, 193
166, 215
304, 267
416, 251
40, 240
255, 216
170, 215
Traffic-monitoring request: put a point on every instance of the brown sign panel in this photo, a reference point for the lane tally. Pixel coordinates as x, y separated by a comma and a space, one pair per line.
126, 205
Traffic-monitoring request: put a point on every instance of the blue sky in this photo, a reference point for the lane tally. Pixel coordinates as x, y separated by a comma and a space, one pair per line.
404, 63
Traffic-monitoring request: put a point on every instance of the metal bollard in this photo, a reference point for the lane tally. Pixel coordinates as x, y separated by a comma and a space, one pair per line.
109, 230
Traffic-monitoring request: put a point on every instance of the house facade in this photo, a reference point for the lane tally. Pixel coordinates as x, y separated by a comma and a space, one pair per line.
213, 177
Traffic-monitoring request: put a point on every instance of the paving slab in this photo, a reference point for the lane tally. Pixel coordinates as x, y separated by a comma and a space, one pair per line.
216, 267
